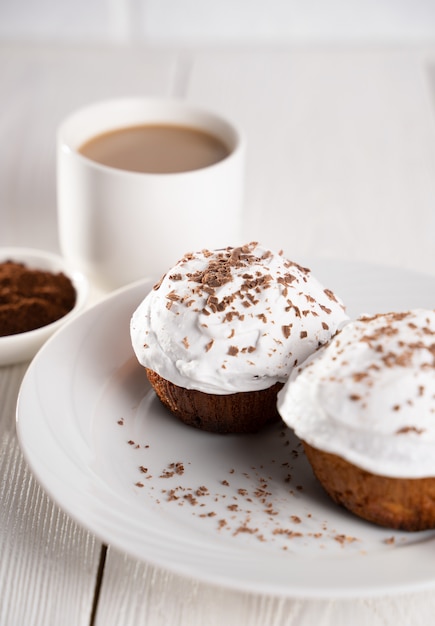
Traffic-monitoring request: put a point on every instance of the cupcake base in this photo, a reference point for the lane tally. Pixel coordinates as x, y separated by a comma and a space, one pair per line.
245, 412
399, 503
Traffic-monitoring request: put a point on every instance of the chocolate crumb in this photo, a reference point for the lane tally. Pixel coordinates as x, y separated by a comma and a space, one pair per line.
409, 429
390, 541
342, 539
286, 330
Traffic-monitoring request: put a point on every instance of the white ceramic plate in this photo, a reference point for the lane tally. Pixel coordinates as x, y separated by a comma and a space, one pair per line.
240, 511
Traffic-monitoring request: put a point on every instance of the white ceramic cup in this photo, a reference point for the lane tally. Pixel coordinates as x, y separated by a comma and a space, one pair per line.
119, 226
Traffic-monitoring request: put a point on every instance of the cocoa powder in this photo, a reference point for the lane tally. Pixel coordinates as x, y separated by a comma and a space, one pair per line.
31, 298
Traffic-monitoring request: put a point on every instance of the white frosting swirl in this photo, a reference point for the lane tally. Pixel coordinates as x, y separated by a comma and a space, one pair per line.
369, 395
233, 320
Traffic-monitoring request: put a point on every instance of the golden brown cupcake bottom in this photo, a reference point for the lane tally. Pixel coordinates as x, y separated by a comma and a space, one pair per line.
399, 503
245, 412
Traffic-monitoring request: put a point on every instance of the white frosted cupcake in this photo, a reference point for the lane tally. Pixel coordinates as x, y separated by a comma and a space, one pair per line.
364, 407
223, 329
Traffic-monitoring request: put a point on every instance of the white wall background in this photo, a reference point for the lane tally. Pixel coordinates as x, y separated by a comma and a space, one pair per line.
218, 21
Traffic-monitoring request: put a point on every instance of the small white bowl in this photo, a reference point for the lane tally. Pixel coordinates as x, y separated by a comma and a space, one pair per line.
24, 346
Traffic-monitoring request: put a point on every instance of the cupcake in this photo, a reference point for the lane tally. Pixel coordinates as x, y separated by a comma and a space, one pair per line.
222, 330
364, 407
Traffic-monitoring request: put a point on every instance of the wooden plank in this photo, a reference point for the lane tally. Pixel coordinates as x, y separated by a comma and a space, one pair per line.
341, 147
136, 593
285, 21
48, 564
40, 86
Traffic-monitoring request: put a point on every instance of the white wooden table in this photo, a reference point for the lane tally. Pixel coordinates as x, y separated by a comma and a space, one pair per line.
341, 163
